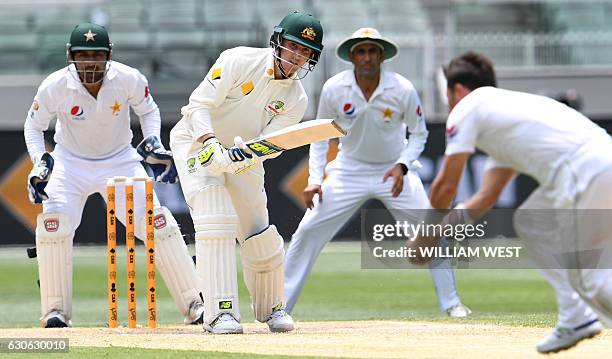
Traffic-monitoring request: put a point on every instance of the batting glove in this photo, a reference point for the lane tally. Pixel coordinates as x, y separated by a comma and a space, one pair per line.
216, 159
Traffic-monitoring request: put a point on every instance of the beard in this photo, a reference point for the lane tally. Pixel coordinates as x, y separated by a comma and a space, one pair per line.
370, 72
90, 76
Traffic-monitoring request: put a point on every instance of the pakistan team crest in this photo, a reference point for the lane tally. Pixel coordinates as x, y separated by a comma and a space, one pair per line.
275, 107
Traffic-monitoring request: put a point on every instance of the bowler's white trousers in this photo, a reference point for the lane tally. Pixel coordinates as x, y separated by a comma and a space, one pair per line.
348, 185
582, 290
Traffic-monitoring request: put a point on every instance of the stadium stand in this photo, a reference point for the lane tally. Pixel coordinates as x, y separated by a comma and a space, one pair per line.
173, 40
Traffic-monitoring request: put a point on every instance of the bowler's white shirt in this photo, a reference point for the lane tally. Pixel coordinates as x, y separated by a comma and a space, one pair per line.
88, 127
534, 135
376, 128
241, 98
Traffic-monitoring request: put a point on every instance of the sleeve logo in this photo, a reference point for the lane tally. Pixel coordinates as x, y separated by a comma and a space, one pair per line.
419, 111
247, 88
451, 131
216, 74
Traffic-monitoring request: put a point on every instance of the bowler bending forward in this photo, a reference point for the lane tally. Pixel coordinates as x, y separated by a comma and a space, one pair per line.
569, 157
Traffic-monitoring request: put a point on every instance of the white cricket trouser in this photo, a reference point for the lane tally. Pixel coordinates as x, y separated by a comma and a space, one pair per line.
217, 204
544, 229
74, 179
349, 184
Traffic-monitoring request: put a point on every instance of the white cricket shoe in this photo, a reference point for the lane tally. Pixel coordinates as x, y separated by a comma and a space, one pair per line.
280, 322
55, 319
225, 323
458, 311
195, 314
564, 338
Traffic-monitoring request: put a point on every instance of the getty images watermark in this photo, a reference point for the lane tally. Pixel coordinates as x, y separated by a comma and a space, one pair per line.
504, 238
388, 240
458, 231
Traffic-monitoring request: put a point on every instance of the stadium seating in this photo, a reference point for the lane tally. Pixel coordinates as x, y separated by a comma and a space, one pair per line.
177, 39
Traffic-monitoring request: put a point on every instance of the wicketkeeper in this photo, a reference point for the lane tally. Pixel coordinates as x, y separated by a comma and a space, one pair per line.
91, 100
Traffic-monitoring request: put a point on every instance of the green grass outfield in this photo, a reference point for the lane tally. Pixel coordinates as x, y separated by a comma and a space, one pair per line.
338, 289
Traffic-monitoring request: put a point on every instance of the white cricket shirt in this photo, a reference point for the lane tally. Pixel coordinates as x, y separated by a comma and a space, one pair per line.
376, 129
88, 127
240, 97
534, 135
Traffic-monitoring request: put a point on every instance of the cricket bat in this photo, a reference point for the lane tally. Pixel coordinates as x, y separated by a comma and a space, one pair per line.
295, 136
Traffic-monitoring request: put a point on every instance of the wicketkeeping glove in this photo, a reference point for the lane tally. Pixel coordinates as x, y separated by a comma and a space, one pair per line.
39, 177
158, 159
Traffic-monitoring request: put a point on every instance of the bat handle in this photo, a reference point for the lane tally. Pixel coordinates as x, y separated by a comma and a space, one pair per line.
239, 142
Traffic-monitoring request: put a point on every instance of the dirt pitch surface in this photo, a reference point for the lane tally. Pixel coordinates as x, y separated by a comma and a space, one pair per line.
359, 339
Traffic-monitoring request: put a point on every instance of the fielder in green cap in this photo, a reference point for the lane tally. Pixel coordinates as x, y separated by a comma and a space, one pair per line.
247, 92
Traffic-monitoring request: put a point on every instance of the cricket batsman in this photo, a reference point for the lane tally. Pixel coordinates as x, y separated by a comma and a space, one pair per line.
248, 92
91, 99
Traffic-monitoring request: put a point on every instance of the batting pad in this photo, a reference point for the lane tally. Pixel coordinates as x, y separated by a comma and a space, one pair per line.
262, 260
173, 260
54, 254
215, 224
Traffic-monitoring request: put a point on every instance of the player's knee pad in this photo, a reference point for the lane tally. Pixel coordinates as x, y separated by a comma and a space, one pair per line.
173, 260
215, 224
262, 259
54, 254
213, 213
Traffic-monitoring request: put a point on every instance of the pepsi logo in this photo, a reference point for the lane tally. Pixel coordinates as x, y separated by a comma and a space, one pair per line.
419, 112
146, 91
451, 131
76, 111
348, 109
